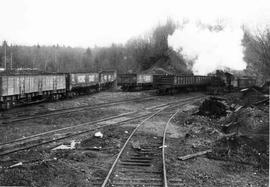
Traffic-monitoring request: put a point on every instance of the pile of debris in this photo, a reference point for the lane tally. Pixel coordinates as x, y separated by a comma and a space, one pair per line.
252, 96
214, 107
241, 129
245, 138
241, 149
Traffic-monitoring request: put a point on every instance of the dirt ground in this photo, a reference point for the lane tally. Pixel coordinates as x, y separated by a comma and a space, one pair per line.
77, 167
242, 161
26, 128
88, 163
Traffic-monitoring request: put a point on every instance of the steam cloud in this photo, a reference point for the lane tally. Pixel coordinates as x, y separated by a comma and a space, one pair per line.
210, 48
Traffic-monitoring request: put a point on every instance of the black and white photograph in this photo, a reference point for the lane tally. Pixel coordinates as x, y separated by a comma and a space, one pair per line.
134, 93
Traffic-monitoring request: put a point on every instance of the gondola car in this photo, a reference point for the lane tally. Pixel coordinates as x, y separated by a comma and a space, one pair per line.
127, 81
243, 82
27, 88
173, 83
24, 88
145, 81
132, 81
81, 83
107, 79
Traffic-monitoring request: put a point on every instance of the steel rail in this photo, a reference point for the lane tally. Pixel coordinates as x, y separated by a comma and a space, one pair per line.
165, 183
124, 146
66, 128
74, 109
105, 182
69, 135
88, 130
89, 123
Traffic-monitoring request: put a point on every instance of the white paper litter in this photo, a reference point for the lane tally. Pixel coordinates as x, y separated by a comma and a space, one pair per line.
71, 146
99, 134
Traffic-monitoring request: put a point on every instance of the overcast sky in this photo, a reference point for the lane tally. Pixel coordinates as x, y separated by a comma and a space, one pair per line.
102, 22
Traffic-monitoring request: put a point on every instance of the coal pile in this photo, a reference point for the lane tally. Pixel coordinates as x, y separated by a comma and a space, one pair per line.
213, 107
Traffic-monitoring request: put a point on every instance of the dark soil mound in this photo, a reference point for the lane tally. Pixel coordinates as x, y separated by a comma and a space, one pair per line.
213, 107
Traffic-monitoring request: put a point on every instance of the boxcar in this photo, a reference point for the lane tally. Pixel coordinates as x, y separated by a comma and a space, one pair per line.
20, 88
78, 83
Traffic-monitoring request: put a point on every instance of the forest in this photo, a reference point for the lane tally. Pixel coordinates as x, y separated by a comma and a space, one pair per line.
136, 55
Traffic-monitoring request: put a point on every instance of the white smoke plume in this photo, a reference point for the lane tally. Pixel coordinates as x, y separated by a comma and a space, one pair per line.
210, 48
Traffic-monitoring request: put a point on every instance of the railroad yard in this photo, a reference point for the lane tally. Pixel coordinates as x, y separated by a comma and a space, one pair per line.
115, 138
134, 93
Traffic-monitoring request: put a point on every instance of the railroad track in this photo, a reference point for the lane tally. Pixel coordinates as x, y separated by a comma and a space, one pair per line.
41, 139
141, 160
73, 109
49, 136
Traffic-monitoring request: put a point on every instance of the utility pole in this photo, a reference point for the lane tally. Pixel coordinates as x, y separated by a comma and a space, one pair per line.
33, 63
11, 58
5, 56
55, 59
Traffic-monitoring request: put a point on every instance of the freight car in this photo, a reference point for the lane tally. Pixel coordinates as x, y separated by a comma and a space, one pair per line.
85, 83
81, 83
133, 81
172, 83
19, 88
107, 79
243, 82
214, 84
145, 81
28, 88
127, 81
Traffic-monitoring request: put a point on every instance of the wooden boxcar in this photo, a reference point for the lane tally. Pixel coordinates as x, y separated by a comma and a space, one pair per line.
20, 88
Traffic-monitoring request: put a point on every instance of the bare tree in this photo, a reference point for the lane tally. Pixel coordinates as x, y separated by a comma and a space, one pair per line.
257, 53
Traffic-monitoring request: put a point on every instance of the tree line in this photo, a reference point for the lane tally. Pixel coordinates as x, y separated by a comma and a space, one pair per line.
137, 54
